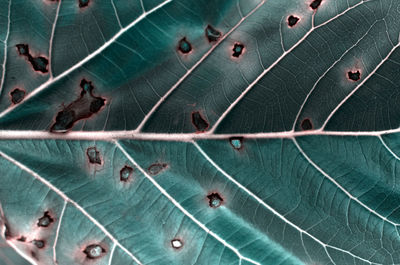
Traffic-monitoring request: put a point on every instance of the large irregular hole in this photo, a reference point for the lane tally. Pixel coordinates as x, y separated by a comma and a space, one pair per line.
45, 220
315, 4
82, 108
17, 95
93, 155
214, 200
184, 46
212, 34
199, 122
125, 173
236, 142
237, 49
83, 3
39, 64
306, 124
292, 20
354, 75
176, 243
157, 168
94, 251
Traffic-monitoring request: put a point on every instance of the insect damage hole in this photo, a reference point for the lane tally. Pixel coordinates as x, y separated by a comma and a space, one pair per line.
292, 20
236, 142
17, 95
184, 46
83, 3
39, 243
94, 251
212, 34
237, 49
93, 155
199, 122
214, 200
354, 75
306, 124
176, 243
39, 63
315, 4
125, 173
45, 220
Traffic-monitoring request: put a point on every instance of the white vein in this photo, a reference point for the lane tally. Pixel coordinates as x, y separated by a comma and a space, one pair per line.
66, 198
260, 201
3, 74
86, 59
340, 187
286, 52
360, 85
180, 207
58, 232
116, 14
112, 254
388, 148
53, 30
176, 85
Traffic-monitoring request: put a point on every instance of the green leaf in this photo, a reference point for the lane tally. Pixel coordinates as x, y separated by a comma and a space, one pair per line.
199, 132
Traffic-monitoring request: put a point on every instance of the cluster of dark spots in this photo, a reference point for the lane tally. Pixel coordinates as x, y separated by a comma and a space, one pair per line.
199, 122
315, 4
157, 168
39, 243
292, 20
94, 251
83, 3
236, 142
39, 64
17, 95
306, 124
237, 49
184, 46
93, 155
126, 173
212, 34
354, 75
45, 220
82, 108
214, 200
176, 243
21, 239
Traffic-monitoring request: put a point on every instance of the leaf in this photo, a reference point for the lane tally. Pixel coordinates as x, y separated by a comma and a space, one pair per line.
199, 132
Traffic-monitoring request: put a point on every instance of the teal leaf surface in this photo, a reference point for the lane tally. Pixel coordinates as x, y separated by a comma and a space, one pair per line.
246, 132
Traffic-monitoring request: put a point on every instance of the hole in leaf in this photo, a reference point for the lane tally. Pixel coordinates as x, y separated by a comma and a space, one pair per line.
176, 243
83, 3
237, 49
315, 4
93, 155
354, 76
306, 124
17, 95
23, 49
39, 63
82, 108
39, 243
199, 122
155, 169
125, 173
212, 34
214, 200
45, 220
292, 20
94, 251
184, 46
236, 142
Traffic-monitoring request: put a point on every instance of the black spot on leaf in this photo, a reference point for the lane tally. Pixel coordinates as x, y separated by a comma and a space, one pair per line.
126, 173
214, 200
17, 95
237, 49
39, 63
39, 243
93, 155
306, 124
23, 49
83, 3
315, 4
156, 168
236, 142
199, 122
184, 46
45, 220
354, 76
176, 243
212, 34
292, 20
82, 108
21, 239
94, 251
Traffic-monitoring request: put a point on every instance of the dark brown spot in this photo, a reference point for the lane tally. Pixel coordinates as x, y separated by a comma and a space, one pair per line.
39, 243
306, 124
45, 220
17, 95
94, 251
21, 238
212, 34
292, 20
23, 49
93, 155
199, 122
184, 46
126, 173
39, 63
354, 76
83, 3
214, 200
315, 4
237, 49
155, 169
